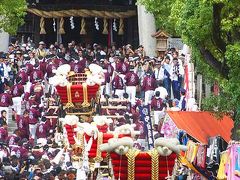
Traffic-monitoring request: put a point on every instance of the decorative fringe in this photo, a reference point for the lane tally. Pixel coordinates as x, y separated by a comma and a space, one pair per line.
61, 27
131, 155
98, 157
105, 26
121, 27
85, 96
42, 26
155, 163
83, 24
69, 96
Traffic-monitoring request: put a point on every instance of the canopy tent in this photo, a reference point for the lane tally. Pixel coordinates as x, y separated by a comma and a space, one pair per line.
201, 125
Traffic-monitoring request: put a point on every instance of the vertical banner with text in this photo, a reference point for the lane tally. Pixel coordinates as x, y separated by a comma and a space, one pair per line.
146, 118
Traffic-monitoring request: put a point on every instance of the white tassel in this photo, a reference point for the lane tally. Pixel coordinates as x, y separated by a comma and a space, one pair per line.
54, 25
85, 163
2, 155
67, 157
96, 24
58, 157
115, 25
77, 141
81, 175
72, 23
89, 144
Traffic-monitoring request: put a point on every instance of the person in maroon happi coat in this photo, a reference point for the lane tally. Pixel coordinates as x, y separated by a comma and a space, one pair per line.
17, 92
3, 133
42, 131
148, 86
34, 114
158, 107
118, 85
132, 81
23, 125
6, 102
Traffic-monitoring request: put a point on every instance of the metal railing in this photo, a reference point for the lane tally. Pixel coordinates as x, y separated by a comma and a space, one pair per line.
78, 78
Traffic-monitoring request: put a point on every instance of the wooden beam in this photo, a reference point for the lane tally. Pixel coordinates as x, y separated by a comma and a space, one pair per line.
113, 116
51, 117
80, 113
53, 107
114, 100
114, 107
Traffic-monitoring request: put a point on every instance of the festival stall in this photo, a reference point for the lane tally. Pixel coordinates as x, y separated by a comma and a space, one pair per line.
206, 138
229, 167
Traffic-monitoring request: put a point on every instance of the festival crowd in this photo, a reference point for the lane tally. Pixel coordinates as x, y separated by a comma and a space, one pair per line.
25, 69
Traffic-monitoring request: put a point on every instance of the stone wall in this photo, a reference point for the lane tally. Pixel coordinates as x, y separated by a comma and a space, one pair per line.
175, 42
4, 41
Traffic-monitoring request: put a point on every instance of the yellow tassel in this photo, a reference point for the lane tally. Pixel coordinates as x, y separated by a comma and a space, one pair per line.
83, 24
42, 26
105, 26
69, 96
131, 155
121, 27
155, 163
61, 26
85, 96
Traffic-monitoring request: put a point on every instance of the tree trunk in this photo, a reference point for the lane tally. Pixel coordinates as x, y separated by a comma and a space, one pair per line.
214, 63
236, 129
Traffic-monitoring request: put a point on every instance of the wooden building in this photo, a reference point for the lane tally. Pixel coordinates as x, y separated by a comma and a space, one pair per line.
88, 21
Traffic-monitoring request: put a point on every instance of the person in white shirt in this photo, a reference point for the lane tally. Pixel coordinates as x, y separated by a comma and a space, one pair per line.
41, 50
158, 72
165, 69
175, 106
176, 75
7, 69
32, 58
192, 105
182, 102
162, 90
175, 55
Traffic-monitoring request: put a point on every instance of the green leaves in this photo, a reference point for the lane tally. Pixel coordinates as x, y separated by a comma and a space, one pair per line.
162, 10
212, 29
12, 14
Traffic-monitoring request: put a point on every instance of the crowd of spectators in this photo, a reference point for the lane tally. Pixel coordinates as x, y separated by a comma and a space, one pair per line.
28, 151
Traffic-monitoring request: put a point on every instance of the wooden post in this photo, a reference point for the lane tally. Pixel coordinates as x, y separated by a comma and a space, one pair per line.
59, 37
199, 89
207, 89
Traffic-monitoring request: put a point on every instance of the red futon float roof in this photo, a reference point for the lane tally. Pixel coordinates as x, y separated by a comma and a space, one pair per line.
202, 125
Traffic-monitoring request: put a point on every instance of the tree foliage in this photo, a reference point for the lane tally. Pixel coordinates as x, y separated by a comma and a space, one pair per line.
212, 29
12, 13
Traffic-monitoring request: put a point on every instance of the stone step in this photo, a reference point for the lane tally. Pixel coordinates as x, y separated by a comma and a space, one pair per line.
12, 125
